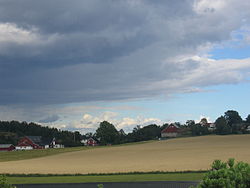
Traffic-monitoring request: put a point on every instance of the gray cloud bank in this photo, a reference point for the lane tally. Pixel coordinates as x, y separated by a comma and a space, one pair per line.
89, 50
49, 119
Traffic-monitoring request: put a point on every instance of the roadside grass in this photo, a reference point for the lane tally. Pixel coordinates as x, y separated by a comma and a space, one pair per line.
22, 155
190, 176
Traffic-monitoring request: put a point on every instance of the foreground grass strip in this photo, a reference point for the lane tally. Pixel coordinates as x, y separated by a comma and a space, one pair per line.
22, 155
108, 178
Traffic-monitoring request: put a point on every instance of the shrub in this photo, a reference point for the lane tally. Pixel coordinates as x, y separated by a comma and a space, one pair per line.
100, 186
227, 175
4, 183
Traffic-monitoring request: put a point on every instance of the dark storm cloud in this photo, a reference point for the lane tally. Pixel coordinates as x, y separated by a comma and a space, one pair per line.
71, 32
49, 119
65, 51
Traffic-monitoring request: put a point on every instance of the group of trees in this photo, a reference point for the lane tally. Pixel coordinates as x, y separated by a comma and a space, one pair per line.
198, 129
107, 134
231, 123
12, 131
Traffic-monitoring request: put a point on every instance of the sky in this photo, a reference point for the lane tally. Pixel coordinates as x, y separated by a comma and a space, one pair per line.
72, 64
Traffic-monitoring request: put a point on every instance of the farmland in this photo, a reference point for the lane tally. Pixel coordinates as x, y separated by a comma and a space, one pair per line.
195, 153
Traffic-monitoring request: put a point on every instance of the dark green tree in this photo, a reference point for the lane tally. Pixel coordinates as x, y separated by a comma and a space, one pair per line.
107, 133
190, 123
227, 175
122, 136
198, 130
232, 117
148, 132
234, 120
165, 125
221, 126
248, 119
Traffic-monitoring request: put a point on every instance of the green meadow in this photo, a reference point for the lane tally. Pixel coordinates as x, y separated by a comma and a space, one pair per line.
29, 154
191, 176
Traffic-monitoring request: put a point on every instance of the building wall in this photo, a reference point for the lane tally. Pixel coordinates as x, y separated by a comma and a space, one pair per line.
11, 148
169, 135
24, 147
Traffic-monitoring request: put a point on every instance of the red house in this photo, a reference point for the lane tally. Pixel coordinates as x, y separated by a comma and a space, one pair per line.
91, 142
6, 147
30, 142
170, 131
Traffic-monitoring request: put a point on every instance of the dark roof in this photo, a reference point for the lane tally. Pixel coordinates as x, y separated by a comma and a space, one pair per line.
35, 139
39, 140
92, 139
5, 145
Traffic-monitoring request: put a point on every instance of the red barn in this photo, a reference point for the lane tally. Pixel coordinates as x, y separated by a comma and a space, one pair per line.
91, 142
170, 132
6, 147
29, 142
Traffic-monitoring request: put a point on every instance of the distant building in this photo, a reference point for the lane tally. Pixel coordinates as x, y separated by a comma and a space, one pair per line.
54, 144
91, 142
170, 131
210, 126
84, 141
36, 142
6, 147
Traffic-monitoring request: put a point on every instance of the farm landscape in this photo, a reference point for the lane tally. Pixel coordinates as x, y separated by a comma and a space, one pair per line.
183, 154
182, 159
125, 91
171, 152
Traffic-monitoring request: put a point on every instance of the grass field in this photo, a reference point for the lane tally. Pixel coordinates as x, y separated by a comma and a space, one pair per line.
30, 154
107, 178
195, 153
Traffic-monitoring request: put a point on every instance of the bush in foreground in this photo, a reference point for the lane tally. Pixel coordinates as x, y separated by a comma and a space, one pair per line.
227, 175
4, 183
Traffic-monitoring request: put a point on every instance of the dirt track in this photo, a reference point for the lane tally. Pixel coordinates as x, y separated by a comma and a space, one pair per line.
180, 154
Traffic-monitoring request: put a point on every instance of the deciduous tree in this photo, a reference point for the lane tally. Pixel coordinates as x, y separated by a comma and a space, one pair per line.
221, 126
107, 133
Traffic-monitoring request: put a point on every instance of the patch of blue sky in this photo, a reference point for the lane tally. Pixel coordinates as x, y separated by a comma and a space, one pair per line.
236, 48
231, 52
211, 103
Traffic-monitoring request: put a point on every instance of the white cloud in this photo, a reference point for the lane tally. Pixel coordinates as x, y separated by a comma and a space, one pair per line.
91, 123
201, 117
11, 33
204, 6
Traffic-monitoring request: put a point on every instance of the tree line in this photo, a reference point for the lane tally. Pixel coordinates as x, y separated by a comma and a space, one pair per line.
12, 131
229, 123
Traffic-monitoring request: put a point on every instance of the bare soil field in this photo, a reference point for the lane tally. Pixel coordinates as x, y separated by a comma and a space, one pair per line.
181, 154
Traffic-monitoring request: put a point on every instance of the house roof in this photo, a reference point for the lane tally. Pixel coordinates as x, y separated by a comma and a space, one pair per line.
39, 141
35, 139
170, 129
5, 145
91, 139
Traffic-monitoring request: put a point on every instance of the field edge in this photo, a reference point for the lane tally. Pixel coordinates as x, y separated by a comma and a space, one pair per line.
135, 177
